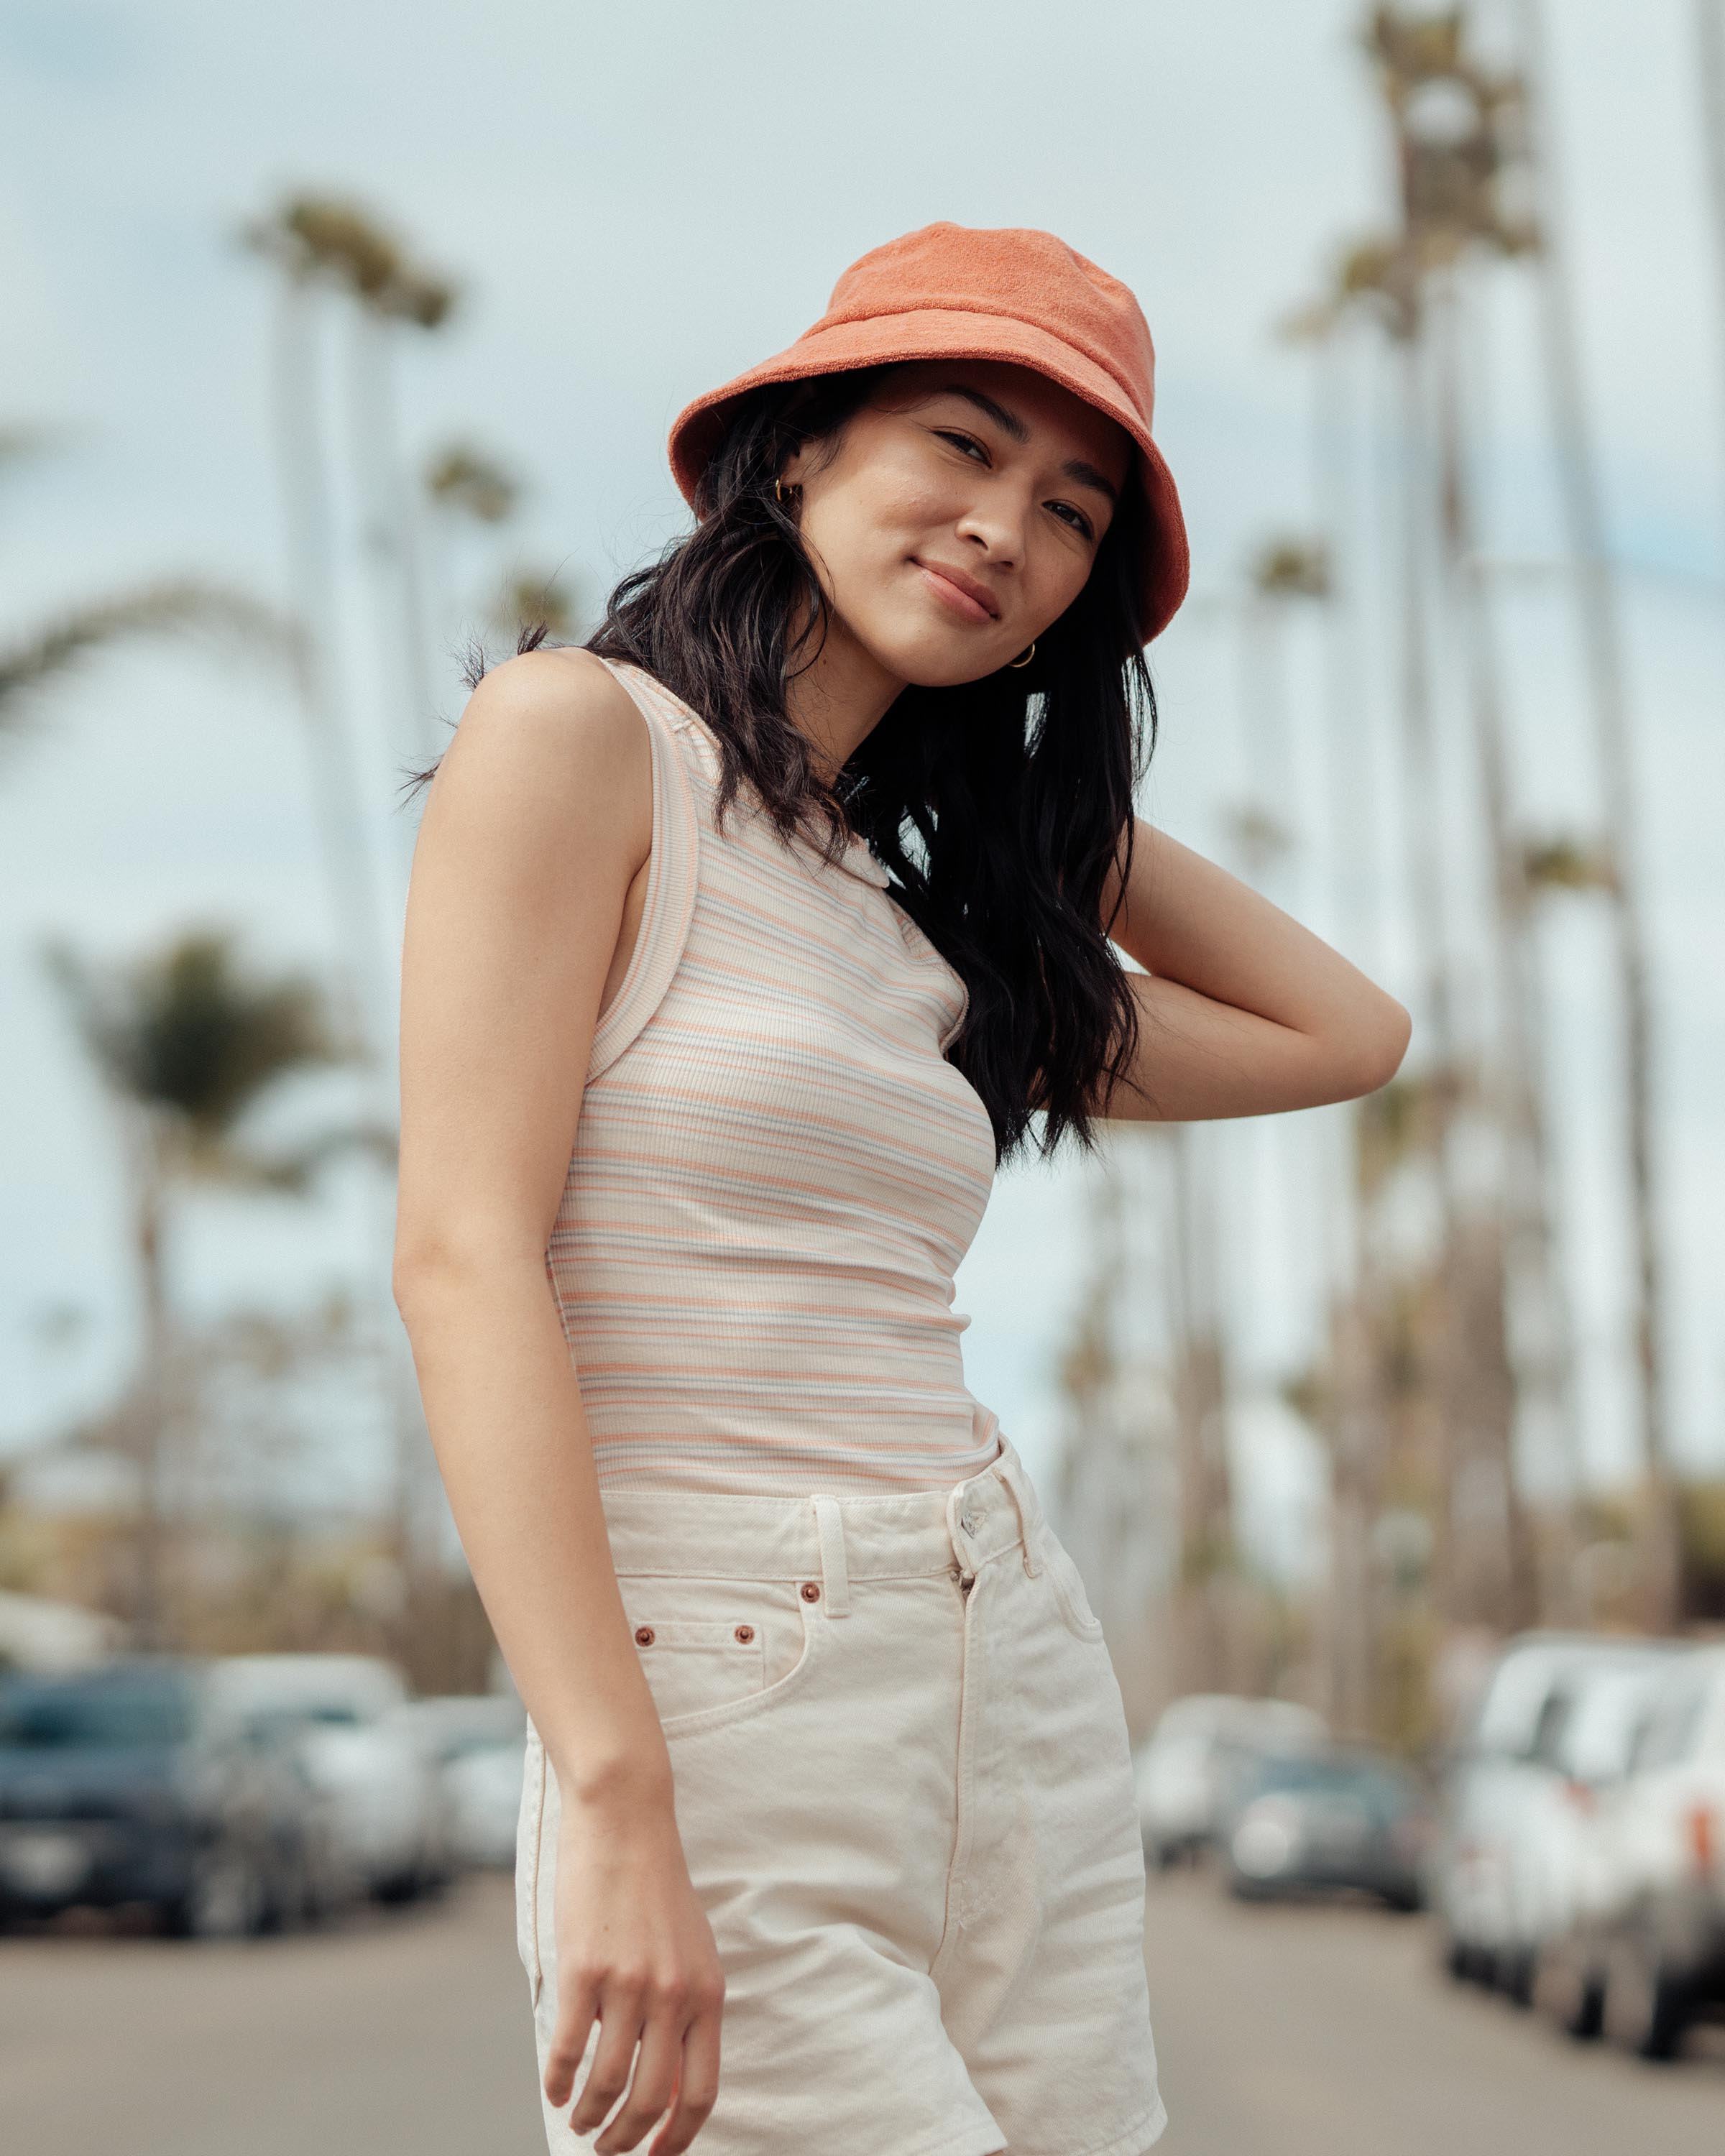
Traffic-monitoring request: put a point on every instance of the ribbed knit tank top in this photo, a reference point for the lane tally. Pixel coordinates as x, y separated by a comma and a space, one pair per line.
776, 1171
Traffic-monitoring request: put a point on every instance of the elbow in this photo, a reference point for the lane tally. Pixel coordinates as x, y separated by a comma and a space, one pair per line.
432, 1272
1377, 1048
410, 1280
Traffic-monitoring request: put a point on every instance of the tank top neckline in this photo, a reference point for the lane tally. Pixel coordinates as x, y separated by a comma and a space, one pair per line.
858, 858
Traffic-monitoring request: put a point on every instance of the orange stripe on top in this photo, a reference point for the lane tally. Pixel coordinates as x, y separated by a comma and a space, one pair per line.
776, 1171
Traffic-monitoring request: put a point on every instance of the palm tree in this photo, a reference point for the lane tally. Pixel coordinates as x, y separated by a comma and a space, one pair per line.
459, 481
52, 648
1545, 1350
1446, 116
1200, 1388
294, 240
526, 598
38, 656
1602, 635
322, 243
327, 241
187, 1045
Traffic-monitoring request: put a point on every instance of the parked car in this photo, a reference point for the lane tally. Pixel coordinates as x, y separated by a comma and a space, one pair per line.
1339, 1816
131, 1783
1494, 1778
1581, 1748
1187, 1770
1659, 1938
380, 1789
451, 1732
485, 1786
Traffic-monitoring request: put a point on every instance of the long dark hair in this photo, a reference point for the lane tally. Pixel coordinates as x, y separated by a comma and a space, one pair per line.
998, 807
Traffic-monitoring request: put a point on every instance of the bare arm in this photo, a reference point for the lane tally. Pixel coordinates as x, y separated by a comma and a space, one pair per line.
1242, 1011
535, 836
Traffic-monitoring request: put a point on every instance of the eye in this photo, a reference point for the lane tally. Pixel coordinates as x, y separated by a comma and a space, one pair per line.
962, 441
1079, 522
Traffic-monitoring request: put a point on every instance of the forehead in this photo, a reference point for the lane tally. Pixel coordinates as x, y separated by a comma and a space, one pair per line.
1058, 421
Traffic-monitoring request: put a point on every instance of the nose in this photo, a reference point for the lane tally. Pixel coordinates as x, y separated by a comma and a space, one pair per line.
994, 525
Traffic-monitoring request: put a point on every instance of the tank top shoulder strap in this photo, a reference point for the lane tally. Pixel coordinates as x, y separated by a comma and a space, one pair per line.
673, 869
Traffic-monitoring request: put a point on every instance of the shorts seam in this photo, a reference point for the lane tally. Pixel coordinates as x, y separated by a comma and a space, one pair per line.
1136, 2138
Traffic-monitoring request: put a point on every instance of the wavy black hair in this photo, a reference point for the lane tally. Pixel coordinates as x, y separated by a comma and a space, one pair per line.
996, 807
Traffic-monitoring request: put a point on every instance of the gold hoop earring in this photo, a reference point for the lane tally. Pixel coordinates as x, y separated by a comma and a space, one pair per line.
778, 490
1027, 658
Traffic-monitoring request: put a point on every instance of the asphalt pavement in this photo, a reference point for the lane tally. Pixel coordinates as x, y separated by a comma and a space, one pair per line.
405, 2032
1282, 2031
1327, 2029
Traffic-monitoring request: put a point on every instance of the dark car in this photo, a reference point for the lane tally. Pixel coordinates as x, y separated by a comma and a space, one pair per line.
127, 1783
1335, 1818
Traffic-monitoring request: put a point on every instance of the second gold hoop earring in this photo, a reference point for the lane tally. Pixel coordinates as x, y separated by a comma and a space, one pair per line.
1027, 658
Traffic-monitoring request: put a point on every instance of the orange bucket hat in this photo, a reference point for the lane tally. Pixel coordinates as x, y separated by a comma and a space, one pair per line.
955, 291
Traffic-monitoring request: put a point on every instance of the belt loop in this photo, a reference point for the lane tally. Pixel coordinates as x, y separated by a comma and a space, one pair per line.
835, 1575
1024, 1502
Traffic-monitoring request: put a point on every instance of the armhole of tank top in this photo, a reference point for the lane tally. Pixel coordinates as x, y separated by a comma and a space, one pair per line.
956, 1027
669, 904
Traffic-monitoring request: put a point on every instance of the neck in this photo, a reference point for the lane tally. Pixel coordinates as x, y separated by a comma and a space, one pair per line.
839, 698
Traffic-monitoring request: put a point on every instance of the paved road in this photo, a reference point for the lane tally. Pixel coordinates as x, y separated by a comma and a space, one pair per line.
1283, 2032
1327, 2031
404, 2034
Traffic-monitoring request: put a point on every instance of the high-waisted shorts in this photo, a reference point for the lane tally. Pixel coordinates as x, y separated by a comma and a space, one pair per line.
904, 1788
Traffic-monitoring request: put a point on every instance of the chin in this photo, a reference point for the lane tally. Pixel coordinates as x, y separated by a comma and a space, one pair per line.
933, 661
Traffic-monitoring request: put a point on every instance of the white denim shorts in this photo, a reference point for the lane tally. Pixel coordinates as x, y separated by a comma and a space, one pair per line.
903, 1786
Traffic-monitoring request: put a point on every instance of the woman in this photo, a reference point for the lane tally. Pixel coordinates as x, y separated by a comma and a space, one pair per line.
741, 943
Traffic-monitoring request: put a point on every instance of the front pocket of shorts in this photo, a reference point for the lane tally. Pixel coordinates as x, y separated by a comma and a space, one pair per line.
1069, 1595
715, 1652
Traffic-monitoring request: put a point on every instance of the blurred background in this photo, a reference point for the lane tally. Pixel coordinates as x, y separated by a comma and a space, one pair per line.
1389, 1438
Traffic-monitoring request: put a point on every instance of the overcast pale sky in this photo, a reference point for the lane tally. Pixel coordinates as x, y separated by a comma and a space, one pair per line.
637, 201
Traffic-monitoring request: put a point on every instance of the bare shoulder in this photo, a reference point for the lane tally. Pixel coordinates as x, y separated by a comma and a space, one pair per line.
552, 743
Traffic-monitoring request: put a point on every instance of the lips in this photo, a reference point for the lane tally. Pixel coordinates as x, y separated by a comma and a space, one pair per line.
964, 593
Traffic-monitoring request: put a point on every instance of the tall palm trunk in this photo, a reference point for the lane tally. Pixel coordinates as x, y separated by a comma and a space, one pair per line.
1200, 1390
367, 969
150, 1625
375, 457
1596, 594
1422, 819
391, 531
1542, 1345
1354, 1417
336, 787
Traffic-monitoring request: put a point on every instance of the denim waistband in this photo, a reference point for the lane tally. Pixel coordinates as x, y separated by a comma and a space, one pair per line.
833, 1537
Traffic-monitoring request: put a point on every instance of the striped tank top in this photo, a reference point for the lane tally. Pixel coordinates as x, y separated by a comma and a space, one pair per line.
776, 1171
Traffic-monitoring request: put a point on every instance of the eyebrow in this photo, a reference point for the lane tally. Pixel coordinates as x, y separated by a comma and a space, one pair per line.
1013, 427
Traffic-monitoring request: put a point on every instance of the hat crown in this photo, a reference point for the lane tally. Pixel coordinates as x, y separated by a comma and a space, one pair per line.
1013, 270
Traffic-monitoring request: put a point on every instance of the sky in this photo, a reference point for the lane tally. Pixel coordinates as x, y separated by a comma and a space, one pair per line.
637, 203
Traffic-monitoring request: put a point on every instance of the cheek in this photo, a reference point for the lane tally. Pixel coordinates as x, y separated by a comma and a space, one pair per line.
1054, 578
865, 529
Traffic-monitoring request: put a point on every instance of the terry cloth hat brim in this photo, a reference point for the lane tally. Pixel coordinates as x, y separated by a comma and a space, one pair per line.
961, 333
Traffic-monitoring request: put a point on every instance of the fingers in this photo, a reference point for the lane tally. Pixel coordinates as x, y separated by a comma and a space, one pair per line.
620, 2017
668, 2030
578, 2002
697, 2087
655, 2075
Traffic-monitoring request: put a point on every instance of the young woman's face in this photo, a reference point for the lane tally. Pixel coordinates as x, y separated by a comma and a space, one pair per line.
960, 514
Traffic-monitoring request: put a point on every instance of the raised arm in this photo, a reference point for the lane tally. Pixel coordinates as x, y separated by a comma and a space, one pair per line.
525, 888
1242, 1011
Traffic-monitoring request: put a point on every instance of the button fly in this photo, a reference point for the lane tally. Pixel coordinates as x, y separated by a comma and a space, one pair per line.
968, 1521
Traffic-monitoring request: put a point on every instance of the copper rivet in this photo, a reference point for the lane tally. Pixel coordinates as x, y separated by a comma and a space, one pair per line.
811, 1592
643, 1635
745, 1633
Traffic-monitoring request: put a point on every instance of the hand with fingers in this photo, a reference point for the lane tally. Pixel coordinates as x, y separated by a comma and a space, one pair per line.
635, 1954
